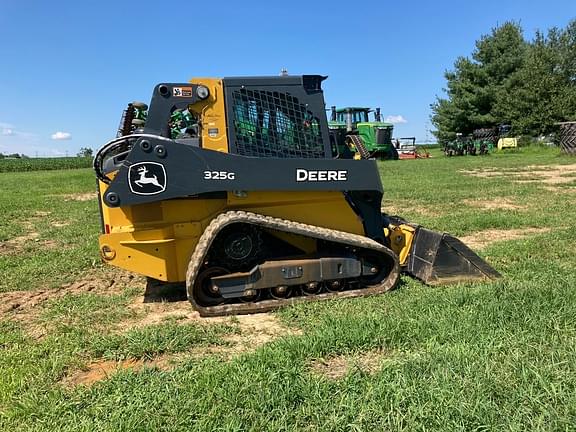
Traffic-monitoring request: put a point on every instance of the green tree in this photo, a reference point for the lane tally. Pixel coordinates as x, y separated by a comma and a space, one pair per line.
85, 152
477, 84
544, 91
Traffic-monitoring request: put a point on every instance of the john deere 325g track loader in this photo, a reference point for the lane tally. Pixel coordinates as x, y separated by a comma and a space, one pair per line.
230, 185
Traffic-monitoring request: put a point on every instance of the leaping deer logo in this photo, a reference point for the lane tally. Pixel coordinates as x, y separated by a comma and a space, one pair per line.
147, 178
143, 180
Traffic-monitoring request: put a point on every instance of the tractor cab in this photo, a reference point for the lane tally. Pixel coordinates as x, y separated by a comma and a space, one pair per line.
350, 117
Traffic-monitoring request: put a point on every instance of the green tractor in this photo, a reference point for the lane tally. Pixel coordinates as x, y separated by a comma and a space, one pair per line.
351, 130
459, 146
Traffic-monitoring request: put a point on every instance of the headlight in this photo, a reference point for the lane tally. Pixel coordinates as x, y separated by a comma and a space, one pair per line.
202, 92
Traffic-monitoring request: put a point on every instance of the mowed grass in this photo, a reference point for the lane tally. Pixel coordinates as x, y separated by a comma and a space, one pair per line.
477, 356
54, 227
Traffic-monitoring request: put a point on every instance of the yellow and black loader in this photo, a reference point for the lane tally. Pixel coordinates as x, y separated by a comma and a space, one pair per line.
231, 186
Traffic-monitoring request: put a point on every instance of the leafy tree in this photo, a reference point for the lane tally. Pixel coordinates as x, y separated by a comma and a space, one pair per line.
85, 152
476, 84
545, 88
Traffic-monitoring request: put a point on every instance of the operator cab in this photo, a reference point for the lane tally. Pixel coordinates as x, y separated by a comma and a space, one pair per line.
351, 116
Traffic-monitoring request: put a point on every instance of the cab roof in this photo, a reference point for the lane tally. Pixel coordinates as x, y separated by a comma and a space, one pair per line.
338, 110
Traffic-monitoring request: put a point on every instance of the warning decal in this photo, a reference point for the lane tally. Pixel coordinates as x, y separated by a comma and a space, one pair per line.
182, 91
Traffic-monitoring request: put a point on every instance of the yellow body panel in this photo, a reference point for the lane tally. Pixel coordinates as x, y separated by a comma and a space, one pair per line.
213, 114
157, 239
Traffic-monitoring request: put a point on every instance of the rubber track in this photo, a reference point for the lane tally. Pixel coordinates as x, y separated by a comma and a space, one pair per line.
359, 144
225, 219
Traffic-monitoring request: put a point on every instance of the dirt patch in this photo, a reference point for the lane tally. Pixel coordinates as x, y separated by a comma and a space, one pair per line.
561, 190
102, 369
59, 224
339, 366
89, 196
544, 174
399, 209
25, 307
484, 173
17, 244
494, 204
163, 302
254, 331
482, 239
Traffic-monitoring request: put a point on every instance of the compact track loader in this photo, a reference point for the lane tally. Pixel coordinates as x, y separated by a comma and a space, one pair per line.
231, 186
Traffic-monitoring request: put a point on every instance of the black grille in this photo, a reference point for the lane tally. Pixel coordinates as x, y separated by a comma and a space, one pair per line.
274, 124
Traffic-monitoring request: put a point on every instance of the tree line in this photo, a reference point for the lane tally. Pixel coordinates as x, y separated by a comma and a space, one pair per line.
85, 152
530, 85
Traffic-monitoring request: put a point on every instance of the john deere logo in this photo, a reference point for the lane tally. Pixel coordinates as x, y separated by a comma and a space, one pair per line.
147, 178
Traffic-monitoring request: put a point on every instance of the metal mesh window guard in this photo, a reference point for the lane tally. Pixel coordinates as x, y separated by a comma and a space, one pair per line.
274, 124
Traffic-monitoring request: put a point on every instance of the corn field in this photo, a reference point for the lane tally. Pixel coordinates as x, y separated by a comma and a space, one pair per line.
41, 164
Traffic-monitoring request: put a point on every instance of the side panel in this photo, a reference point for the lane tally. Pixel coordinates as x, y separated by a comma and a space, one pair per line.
161, 249
213, 115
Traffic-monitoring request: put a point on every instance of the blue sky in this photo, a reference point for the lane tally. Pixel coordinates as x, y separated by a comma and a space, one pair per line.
68, 68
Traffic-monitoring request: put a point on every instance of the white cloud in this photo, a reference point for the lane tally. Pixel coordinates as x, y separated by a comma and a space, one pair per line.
61, 136
14, 140
396, 119
6, 129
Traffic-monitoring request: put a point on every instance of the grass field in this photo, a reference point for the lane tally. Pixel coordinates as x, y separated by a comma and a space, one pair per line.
79, 350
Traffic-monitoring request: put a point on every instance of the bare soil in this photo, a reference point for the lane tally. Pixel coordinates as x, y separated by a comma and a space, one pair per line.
79, 196
544, 174
481, 239
59, 224
25, 307
494, 204
255, 331
16, 245
339, 366
400, 208
103, 369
